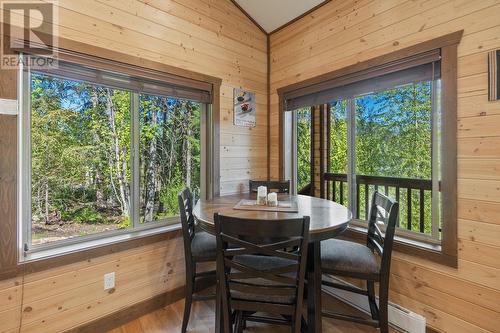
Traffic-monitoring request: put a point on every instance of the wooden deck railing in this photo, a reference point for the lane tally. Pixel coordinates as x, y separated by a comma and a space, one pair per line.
414, 196
306, 190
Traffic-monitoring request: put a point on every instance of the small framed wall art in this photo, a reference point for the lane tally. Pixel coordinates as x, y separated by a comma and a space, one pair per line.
244, 108
494, 75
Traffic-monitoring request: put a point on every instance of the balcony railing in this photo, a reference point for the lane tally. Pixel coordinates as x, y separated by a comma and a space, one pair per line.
413, 195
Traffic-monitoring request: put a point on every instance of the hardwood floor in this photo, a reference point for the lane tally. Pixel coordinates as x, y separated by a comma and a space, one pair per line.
168, 320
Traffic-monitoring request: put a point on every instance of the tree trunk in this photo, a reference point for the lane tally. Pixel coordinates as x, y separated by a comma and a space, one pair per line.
120, 165
46, 184
47, 209
99, 178
150, 190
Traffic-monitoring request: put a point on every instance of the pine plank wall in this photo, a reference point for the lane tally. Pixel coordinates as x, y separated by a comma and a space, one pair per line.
342, 33
209, 37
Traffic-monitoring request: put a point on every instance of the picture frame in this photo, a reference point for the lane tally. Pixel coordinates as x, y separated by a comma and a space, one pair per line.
244, 108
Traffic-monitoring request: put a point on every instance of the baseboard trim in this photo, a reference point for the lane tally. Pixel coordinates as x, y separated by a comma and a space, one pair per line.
400, 319
130, 313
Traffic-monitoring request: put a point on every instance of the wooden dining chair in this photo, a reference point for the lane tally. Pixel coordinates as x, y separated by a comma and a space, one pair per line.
353, 260
279, 186
199, 246
256, 275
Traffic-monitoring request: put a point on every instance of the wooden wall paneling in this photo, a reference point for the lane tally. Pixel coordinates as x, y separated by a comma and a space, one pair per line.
8, 84
71, 295
354, 51
8, 176
213, 39
8, 193
124, 316
343, 33
240, 62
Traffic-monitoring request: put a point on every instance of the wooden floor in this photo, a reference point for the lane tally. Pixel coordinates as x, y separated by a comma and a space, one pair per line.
168, 320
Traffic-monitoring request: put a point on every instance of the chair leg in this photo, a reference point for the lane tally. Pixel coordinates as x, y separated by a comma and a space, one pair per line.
383, 308
370, 286
189, 299
187, 311
239, 322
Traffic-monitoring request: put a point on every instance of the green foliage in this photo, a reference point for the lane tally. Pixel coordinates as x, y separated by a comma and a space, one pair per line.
81, 141
85, 214
393, 139
303, 147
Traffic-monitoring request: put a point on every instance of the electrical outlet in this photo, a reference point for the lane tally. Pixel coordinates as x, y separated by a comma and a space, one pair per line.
109, 280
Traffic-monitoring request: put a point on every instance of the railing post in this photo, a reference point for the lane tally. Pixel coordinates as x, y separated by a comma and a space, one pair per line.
408, 204
357, 200
341, 194
367, 199
397, 199
422, 211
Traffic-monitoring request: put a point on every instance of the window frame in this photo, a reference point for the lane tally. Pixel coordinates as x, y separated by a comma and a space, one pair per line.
209, 123
352, 135
446, 251
294, 146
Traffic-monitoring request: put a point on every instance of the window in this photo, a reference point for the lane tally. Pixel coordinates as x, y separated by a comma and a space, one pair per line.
170, 154
303, 125
391, 127
104, 154
383, 141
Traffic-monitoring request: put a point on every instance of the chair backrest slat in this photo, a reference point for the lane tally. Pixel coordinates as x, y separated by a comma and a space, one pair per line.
279, 186
262, 290
243, 248
185, 199
383, 211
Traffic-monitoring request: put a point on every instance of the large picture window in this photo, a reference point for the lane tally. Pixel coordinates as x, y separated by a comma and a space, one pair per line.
104, 154
390, 126
383, 141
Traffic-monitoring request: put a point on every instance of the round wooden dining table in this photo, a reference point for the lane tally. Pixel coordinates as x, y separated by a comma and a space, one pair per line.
328, 219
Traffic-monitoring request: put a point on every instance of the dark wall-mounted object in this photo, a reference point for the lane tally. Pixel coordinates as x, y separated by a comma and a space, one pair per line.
494, 75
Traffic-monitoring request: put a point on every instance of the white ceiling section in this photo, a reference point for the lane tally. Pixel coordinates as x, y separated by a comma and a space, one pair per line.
272, 14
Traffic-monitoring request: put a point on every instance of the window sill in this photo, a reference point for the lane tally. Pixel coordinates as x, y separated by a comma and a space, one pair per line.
432, 252
90, 244
49, 258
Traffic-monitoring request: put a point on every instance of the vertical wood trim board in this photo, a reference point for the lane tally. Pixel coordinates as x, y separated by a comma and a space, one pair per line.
8, 192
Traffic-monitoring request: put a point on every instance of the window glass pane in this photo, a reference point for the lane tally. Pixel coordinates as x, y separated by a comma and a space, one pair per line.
337, 189
170, 154
303, 148
394, 151
80, 148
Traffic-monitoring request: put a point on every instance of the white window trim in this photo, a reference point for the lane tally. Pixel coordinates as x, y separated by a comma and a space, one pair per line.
26, 251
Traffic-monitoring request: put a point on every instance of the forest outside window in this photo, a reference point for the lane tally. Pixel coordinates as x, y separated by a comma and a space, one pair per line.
390, 127
104, 154
383, 135
386, 141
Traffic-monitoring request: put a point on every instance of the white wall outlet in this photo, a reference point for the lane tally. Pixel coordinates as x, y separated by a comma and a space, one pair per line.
109, 281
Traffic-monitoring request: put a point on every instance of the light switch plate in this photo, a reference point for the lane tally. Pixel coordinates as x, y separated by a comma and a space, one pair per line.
109, 281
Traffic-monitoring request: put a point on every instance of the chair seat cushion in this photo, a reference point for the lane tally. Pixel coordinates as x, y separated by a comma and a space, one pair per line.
204, 246
349, 257
263, 263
